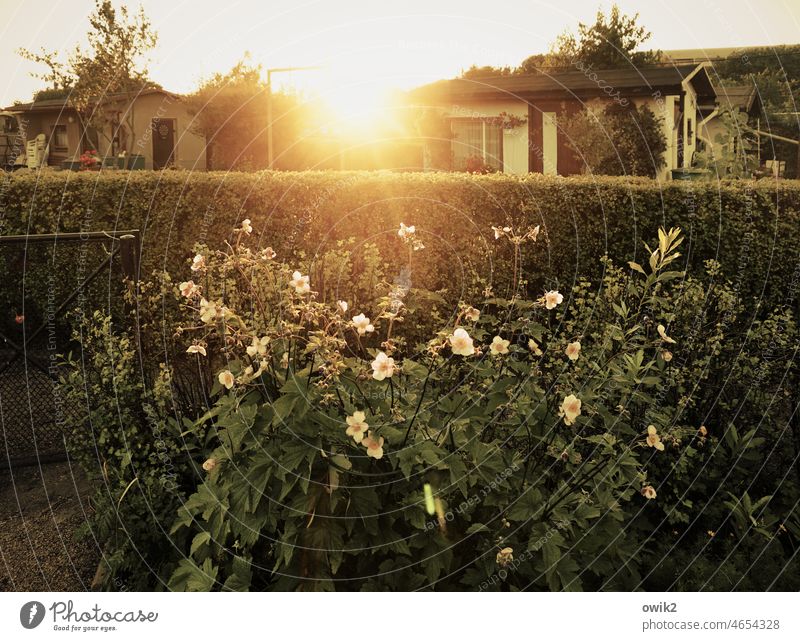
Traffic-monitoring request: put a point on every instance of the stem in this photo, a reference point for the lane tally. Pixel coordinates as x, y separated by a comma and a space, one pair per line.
419, 403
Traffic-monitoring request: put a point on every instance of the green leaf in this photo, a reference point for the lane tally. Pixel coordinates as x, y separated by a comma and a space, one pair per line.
199, 540
552, 554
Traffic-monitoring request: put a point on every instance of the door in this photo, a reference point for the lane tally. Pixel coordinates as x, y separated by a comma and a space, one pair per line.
549, 143
163, 142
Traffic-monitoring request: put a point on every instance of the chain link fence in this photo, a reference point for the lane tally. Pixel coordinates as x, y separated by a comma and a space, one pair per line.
48, 276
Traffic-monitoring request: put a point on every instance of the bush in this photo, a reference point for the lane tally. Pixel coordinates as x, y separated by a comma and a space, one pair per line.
530, 444
750, 228
132, 441
618, 140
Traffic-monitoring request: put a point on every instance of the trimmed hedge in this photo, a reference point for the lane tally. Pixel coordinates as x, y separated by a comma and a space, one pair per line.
751, 228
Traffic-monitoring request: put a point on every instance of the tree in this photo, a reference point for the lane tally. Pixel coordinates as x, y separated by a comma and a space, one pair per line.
433, 129
612, 41
731, 153
486, 71
618, 140
102, 79
775, 74
230, 111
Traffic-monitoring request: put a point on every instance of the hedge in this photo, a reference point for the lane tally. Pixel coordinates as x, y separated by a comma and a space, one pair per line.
751, 228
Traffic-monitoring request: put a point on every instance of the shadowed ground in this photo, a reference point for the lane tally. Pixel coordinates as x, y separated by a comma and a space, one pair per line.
40, 513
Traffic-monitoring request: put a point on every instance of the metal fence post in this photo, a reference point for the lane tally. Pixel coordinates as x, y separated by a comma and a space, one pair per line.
129, 254
129, 257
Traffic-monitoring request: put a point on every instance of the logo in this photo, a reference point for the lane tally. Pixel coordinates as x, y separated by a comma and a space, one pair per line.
31, 614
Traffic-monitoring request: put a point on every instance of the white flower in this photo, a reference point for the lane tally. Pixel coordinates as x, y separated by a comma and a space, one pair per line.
198, 263
374, 446
382, 367
356, 426
406, 231
505, 557
258, 346
498, 346
534, 347
573, 350
653, 439
500, 231
268, 253
649, 492
472, 314
552, 299
570, 409
209, 464
342, 305
188, 289
246, 227
300, 283
461, 343
226, 378
662, 332
666, 355
208, 311
196, 349
362, 325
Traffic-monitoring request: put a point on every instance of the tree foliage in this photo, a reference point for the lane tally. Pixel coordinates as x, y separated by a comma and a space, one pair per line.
618, 140
775, 74
101, 74
612, 41
231, 112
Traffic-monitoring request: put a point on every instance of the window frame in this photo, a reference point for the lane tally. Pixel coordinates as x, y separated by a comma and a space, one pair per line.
55, 130
484, 154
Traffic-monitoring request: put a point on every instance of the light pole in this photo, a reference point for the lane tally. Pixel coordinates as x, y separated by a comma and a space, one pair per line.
270, 153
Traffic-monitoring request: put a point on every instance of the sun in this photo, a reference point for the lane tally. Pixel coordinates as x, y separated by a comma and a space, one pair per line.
357, 107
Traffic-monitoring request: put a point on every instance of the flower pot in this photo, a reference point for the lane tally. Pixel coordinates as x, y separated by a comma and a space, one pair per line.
135, 162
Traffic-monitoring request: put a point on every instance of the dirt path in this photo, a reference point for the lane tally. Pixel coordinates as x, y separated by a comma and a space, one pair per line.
39, 515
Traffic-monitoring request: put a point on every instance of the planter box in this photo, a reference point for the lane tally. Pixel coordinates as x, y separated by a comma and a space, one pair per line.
689, 174
135, 161
132, 162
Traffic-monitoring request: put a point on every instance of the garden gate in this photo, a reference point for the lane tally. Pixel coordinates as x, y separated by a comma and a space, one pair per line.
36, 297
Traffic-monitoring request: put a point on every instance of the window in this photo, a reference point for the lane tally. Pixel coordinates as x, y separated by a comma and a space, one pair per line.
476, 140
689, 132
58, 137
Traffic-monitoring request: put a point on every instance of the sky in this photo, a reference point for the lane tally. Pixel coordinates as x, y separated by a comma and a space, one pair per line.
366, 46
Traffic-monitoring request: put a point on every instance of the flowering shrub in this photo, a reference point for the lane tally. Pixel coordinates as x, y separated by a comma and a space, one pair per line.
518, 447
130, 440
89, 160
